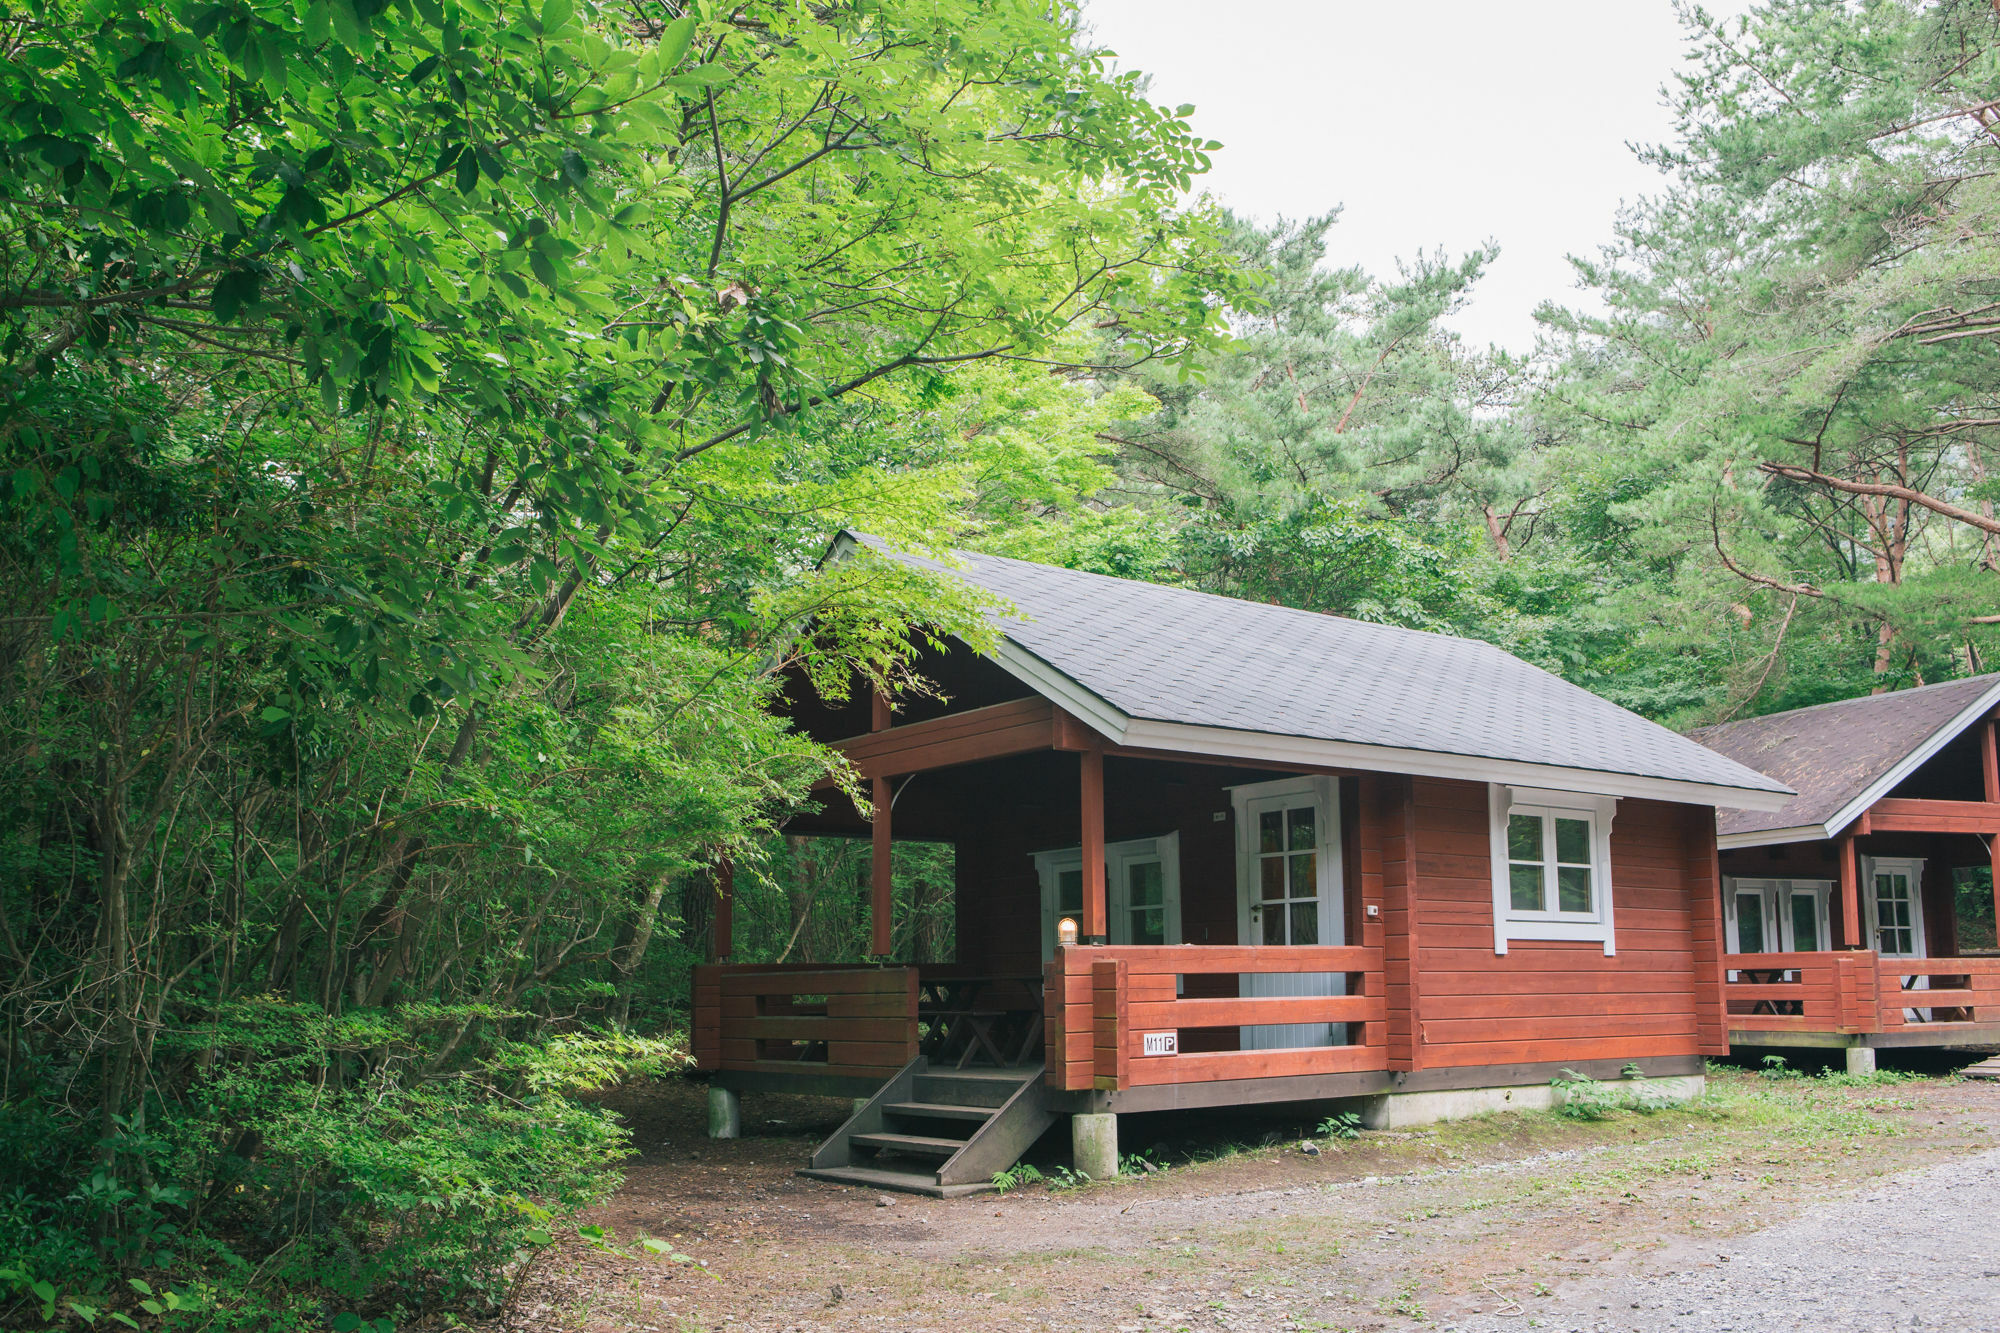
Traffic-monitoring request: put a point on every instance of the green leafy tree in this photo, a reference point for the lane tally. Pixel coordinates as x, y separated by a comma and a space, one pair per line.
1782, 424
421, 426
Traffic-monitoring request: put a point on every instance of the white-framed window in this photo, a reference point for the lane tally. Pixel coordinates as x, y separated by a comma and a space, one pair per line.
1551, 853
1776, 915
1142, 890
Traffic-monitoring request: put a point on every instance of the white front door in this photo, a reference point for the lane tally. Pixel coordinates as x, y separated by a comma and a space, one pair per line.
1896, 906
1289, 893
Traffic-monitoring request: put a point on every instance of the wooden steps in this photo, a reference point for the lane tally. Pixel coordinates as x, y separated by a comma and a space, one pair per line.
938, 1111
1987, 1068
943, 1134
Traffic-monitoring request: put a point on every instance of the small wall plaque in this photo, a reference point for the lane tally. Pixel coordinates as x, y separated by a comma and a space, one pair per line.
1160, 1043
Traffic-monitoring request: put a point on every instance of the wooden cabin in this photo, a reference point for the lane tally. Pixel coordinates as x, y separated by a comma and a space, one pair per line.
1212, 852
1840, 909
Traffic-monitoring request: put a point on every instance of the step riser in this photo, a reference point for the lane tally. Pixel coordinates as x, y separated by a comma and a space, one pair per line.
984, 1092
939, 1113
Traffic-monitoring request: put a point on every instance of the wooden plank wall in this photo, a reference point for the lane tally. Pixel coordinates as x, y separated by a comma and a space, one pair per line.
1704, 886
1388, 839
1546, 1000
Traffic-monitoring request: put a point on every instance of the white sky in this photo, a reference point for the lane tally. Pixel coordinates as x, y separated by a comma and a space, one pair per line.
1443, 123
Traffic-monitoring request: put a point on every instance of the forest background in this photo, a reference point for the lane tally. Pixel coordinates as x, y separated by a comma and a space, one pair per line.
423, 420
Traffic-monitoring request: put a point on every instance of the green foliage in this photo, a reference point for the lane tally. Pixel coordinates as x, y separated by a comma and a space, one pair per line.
1021, 1173
1580, 1097
310, 1160
420, 427
1340, 1125
1791, 328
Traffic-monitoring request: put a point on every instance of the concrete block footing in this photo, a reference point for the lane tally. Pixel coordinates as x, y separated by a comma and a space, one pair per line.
1402, 1110
1093, 1141
1861, 1059
725, 1114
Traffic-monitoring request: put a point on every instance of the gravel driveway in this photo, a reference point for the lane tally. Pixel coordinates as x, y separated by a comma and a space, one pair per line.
1913, 1251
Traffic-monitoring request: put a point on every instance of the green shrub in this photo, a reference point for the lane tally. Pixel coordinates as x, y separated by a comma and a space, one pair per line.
373, 1165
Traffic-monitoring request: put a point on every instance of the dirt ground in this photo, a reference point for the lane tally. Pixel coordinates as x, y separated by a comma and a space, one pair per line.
1244, 1228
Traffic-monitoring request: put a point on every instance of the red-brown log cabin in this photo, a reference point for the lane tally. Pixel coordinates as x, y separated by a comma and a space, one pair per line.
1841, 908
1304, 858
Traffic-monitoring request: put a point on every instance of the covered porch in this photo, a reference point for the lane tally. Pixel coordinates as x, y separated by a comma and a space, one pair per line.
1860, 940
1120, 946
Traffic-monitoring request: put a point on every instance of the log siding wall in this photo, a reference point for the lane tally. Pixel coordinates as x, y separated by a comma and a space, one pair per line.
1547, 1000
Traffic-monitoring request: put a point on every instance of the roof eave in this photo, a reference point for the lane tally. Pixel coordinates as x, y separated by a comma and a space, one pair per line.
1912, 761
1224, 742
1771, 837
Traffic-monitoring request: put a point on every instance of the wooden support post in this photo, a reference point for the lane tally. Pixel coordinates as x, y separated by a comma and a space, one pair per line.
1850, 895
1093, 927
1989, 768
879, 718
880, 885
722, 932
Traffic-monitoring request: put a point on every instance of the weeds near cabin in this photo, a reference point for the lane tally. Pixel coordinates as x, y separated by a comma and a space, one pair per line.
1579, 1097
1776, 1070
1340, 1125
1140, 1163
1021, 1173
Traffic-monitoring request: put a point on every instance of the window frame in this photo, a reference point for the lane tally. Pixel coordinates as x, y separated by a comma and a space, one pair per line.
1118, 857
1775, 895
1597, 926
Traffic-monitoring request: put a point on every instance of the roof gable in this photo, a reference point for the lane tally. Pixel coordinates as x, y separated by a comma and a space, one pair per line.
1169, 668
1842, 757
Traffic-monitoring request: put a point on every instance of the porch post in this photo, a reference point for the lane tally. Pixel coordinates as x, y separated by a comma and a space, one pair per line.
879, 883
881, 886
1989, 768
1093, 928
1850, 895
722, 932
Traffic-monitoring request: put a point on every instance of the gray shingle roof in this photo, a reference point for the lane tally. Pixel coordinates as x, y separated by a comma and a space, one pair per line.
1833, 753
1172, 655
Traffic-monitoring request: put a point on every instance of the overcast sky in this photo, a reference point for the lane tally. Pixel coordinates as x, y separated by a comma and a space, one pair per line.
1443, 123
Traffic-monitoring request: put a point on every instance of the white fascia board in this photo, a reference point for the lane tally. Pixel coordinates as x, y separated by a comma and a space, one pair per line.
1772, 837
1223, 742
1098, 713
1910, 762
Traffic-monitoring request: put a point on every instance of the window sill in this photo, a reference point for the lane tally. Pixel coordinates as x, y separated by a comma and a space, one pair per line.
1561, 932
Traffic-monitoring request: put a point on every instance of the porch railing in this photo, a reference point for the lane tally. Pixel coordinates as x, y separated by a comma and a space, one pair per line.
1939, 990
841, 1021
1105, 1003
1857, 990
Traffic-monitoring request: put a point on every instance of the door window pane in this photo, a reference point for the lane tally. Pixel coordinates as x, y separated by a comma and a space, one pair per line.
1270, 828
1572, 887
1069, 892
1892, 914
1300, 824
1305, 923
1805, 923
1274, 925
1526, 886
1303, 880
1750, 923
1146, 899
1272, 882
